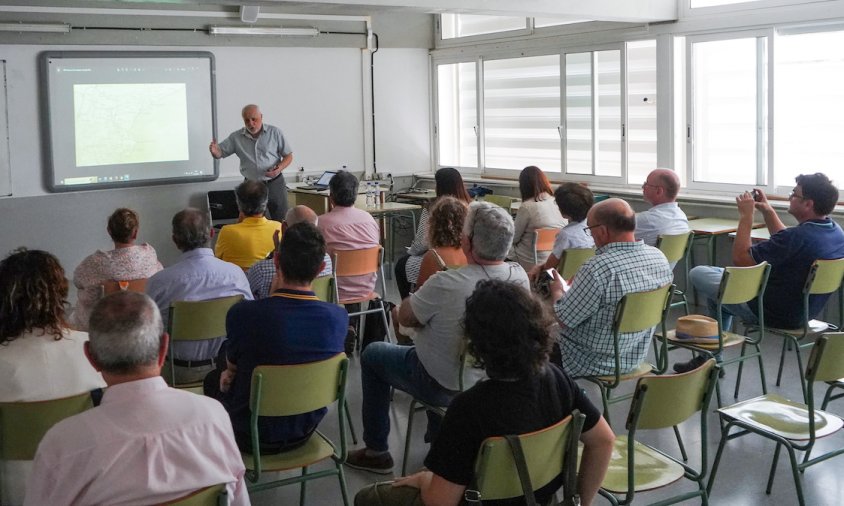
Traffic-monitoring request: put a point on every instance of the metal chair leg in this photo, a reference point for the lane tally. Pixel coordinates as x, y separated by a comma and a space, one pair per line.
351, 425
773, 469
680, 444
302, 487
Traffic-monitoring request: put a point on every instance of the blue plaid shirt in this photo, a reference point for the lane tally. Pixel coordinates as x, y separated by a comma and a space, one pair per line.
261, 274
588, 309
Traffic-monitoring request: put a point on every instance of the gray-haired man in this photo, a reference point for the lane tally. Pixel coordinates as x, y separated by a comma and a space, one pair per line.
429, 370
146, 443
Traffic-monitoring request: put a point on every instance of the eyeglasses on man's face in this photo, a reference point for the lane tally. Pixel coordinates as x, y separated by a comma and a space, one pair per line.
795, 195
588, 230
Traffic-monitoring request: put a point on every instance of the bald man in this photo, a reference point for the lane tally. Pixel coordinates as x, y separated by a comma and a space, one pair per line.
261, 274
664, 217
621, 265
263, 154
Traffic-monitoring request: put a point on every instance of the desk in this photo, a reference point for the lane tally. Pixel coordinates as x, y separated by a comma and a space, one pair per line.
756, 234
710, 228
386, 211
421, 197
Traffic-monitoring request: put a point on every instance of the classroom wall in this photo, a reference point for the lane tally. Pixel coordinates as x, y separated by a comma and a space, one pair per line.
318, 96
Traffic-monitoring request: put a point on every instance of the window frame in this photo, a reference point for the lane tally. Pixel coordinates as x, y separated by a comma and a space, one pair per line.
485, 37
476, 170
687, 11
764, 109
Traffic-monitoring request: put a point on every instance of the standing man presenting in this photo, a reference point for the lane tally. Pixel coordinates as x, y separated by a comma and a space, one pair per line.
263, 154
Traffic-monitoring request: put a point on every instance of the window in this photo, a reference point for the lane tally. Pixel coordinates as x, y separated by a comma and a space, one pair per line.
457, 115
593, 113
809, 105
522, 113
695, 4
466, 25
728, 111
641, 110
546, 22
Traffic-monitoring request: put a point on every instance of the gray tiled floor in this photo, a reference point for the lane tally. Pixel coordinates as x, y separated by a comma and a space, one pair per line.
741, 477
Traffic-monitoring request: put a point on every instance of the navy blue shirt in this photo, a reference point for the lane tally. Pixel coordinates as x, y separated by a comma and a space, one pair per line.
791, 252
290, 327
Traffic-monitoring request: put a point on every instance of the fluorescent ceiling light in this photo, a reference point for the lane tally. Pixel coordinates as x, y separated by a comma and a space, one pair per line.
35, 27
258, 30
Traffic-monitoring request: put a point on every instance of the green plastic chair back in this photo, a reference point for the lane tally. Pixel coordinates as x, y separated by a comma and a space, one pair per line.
743, 284
826, 363
642, 310
665, 401
500, 200
572, 259
208, 496
308, 387
545, 453
324, 288
200, 319
675, 246
23, 424
825, 276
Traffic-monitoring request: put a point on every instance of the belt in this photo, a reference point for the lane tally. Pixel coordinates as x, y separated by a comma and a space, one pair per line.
268, 181
193, 363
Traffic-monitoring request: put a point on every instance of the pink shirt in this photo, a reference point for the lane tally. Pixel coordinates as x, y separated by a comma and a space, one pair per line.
123, 264
145, 444
348, 228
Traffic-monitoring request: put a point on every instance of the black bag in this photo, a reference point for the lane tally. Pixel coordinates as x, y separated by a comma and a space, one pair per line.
374, 329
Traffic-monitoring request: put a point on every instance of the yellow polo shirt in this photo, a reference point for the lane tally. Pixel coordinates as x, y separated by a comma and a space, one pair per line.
246, 242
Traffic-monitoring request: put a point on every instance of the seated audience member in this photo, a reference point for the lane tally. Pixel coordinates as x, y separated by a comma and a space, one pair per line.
290, 327
127, 261
444, 232
507, 329
538, 210
249, 240
429, 370
790, 251
145, 443
261, 274
574, 201
40, 358
664, 217
449, 182
621, 265
198, 275
346, 227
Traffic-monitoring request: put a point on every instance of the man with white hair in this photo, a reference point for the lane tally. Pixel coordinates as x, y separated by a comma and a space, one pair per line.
264, 153
429, 370
260, 275
665, 216
146, 443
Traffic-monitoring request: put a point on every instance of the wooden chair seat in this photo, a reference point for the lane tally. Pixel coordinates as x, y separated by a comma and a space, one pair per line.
653, 469
640, 370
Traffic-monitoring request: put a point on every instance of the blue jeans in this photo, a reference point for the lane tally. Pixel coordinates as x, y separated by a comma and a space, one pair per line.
707, 280
384, 365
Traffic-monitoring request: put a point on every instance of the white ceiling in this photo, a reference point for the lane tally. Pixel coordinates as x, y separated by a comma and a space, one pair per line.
599, 10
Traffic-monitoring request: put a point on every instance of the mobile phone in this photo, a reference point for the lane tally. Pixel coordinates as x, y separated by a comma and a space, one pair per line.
757, 195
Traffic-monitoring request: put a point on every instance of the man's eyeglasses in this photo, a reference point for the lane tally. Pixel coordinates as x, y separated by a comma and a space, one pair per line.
793, 195
651, 185
588, 230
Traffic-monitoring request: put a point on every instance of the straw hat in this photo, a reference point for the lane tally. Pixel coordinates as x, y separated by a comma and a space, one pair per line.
695, 327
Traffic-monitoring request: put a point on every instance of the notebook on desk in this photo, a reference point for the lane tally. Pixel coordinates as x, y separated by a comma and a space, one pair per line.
322, 182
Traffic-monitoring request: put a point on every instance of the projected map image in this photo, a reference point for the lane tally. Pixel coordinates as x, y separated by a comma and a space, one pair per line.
130, 123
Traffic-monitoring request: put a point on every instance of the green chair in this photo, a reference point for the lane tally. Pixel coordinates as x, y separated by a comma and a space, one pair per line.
635, 312
739, 285
660, 402
323, 287
572, 259
543, 241
215, 495
675, 248
548, 453
286, 390
824, 278
502, 201
199, 320
791, 425
23, 424
360, 262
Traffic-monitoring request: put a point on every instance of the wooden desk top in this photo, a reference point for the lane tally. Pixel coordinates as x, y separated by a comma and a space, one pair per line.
419, 195
389, 207
716, 226
757, 234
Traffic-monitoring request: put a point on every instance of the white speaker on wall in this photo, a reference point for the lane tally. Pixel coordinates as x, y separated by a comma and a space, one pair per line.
249, 13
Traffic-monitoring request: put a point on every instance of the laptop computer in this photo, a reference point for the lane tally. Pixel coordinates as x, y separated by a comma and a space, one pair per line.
322, 182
